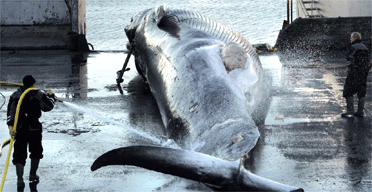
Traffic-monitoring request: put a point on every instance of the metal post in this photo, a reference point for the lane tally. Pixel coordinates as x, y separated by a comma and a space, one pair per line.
288, 10
291, 11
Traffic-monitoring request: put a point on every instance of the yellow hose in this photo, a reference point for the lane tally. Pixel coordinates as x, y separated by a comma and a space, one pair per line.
4, 144
12, 138
10, 84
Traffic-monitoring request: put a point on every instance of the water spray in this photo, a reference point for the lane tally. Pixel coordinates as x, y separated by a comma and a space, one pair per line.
334, 70
89, 112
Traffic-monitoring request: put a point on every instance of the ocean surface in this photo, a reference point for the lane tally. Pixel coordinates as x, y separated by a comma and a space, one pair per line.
258, 20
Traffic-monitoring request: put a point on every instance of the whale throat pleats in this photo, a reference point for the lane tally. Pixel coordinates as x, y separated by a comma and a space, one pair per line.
218, 30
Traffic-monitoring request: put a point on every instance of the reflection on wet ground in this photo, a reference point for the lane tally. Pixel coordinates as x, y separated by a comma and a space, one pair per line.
305, 135
303, 143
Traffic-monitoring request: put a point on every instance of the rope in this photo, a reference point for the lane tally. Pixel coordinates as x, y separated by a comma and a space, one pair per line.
12, 138
121, 72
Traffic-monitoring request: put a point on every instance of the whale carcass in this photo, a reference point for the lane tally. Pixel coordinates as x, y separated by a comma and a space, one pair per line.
206, 79
211, 91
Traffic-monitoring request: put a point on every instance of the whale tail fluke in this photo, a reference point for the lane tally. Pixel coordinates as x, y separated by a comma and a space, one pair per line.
190, 165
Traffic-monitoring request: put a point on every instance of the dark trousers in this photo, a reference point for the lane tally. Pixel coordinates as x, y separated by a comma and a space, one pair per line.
25, 137
355, 84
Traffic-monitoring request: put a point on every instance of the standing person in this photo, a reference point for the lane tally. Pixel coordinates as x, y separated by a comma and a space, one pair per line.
29, 129
357, 72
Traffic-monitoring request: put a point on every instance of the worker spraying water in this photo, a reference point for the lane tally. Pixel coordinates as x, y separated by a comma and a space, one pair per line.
23, 113
24, 110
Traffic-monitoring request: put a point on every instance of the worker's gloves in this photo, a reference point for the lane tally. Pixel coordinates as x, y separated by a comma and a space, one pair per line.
12, 132
51, 94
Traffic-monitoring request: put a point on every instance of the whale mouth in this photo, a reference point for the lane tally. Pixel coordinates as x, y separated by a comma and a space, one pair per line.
130, 33
130, 30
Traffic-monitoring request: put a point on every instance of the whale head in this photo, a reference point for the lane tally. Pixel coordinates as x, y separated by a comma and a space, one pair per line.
136, 20
159, 17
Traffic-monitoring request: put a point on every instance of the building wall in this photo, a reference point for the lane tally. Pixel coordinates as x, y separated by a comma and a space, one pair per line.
340, 8
41, 24
78, 17
36, 12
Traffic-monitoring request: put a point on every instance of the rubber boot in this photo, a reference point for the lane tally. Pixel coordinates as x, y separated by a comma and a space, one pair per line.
349, 107
33, 186
34, 166
359, 112
19, 172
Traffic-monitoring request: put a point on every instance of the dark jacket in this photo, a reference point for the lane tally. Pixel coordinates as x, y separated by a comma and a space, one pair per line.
359, 57
33, 103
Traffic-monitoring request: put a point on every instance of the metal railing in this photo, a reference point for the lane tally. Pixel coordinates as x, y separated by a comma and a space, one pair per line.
312, 10
289, 11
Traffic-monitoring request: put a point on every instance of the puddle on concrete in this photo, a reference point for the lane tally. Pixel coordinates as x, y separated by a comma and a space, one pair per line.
336, 87
273, 119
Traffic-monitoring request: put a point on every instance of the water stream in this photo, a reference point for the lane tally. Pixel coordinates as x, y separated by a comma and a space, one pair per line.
119, 124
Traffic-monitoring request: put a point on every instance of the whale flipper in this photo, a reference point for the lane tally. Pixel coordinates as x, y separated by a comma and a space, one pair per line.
192, 165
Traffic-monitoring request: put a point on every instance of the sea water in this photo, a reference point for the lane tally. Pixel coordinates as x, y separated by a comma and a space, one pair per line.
260, 21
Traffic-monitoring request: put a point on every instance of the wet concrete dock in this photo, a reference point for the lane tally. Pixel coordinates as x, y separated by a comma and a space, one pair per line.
304, 142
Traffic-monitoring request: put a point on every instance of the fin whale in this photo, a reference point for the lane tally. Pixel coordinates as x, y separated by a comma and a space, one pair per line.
211, 91
206, 78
